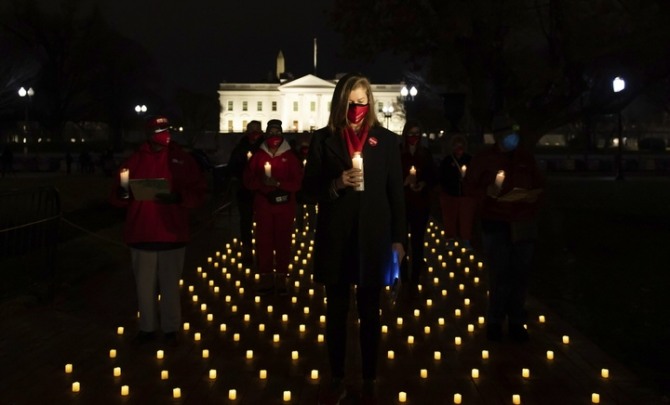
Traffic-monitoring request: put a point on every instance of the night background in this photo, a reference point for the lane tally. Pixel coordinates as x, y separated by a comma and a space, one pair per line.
602, 257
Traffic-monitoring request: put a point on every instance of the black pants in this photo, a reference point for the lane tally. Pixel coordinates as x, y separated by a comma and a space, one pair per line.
245, 207
367, 301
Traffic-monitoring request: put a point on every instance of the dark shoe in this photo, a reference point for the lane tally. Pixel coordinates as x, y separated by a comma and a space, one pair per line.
171, 339
332, 394
143, 337
281, 285
494, 332
518, 333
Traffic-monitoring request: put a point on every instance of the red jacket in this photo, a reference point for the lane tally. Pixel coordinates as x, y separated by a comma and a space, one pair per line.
520, 171
148, 221
286, 169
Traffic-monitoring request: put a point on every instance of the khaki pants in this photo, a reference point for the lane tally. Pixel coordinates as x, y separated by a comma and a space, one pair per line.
158, 271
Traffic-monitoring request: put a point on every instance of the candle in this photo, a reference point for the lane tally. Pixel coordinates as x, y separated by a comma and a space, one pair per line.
250, 354
525, 373
76, 387
437, 355
605, 373
542, 319
284, 318
412, 171
357, 163
516, 399
391, 355
294, 355
287, 396
125, 390
475, 373
423, 373
268, 169
464, 168
402, 396
223, 327
566, 339
249, 155
261, 327
500, 178
426, 330
417, 313
471, 327
481, 320
160, 354
550, 355
399, 321
236, 337
205, 353
275, 338
410, 339
124, 175
112, 353
176, 392
314, 374
119, 330
164, 374
485, 354
440, 321
117, 371
263, 374
301, 328
187, 326
212, 374
319, 338
457, 312
68, 368
232, 394
457, 398
595, 398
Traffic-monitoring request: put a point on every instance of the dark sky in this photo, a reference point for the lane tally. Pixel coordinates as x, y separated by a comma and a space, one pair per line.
200, 43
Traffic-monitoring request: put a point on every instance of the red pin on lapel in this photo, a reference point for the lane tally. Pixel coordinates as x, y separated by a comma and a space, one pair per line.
372, 141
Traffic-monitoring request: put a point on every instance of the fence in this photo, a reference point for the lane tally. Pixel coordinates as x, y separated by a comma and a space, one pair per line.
29, 227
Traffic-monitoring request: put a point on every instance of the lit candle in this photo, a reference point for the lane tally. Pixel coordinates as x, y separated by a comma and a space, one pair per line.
399, 321
437, 355
542, 319
314, 374
595, 398
550, 355
268, 169
125, 390
417, 313
68, 368
287, 396
117, 371
301, 328
284, 318
475, 373
402, 396
223, 327
263, 374
112, 353
410, 339
187, 326
426, 330
464, 168
605, 373
164, 374
525, 373
457, 312
423, 373
212, 374
249, 155
160, 354
390, 355
205, 353
261, 327
481, 320
385, 329
119, 330
516, 399
412, 171
250, 354
566, 339
357, 163
275, 338
196, 336
76, 387
319, 338
458, 398
124, 175
236, 337
440, 321
500, 178
485, 354
232, 394
176, 392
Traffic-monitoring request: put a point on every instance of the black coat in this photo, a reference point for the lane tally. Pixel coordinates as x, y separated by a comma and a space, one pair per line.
355, 229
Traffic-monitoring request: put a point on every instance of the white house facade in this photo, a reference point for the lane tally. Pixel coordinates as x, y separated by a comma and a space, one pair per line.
302, 104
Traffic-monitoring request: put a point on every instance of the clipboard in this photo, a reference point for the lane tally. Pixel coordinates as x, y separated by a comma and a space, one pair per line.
521, 195
146, 189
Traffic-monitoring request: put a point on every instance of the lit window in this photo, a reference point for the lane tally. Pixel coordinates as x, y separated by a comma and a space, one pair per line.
259, 106
274, 106
245, 106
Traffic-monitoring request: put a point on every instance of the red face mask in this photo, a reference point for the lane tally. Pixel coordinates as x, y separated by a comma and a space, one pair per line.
412, 140
253, 136
161, 138
357, 112
458, 150
274, 141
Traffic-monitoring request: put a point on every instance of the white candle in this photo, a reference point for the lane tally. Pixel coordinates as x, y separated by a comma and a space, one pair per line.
68, 368
437, 355
605, 373
287, 396
76, 387
117, 371
119, 330
124, 176
402, 396
250, 354
164, 374
485, 354
550, 355
412, 171
249, 155
474, 373
391, 355
542, 319
464, 168
566, 339
500, 178
232, 394
125, 390
525, 373
268, 169
314, 374
205, 353
160, 354
176, 392
516, 399
595, 398
357, 163
423, 373
112, 353
263, 374
457, 398
294, 355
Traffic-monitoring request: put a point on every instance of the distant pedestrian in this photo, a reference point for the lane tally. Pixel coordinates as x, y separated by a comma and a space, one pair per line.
458, 210
157, 227
507, 183
274, 174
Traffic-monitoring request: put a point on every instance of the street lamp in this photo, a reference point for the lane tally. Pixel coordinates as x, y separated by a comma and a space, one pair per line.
619, 85
388, 113
26, 93
140, 109
408, 99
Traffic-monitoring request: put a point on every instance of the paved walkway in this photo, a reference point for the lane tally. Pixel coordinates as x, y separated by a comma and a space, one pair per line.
251, 342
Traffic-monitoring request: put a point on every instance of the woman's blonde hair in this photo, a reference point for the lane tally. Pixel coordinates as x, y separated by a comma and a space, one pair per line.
340, 102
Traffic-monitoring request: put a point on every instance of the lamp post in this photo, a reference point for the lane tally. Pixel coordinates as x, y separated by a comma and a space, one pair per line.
388, 113
408, 99
618, 85
26, 93
140, 109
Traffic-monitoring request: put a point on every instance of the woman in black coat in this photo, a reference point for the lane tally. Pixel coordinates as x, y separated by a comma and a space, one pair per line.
358, 232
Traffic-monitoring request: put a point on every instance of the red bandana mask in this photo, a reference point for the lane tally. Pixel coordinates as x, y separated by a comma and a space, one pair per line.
274, 141
357, 112
161, 138
253, 136
412, 140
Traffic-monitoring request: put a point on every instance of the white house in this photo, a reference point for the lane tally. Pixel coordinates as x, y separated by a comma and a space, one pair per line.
302, 104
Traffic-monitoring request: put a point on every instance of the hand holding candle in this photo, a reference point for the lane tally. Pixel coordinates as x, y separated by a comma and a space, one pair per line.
357, 163
124, 176
268, 169
464, 169
500, 178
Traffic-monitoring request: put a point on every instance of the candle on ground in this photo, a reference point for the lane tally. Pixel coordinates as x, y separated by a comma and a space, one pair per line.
76, 387
314, 374
525, 373
402, 396
263, 374
68, 368
164, 374
176, 392
605, 373
125, 390
423, 373
232, 394
117, 371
